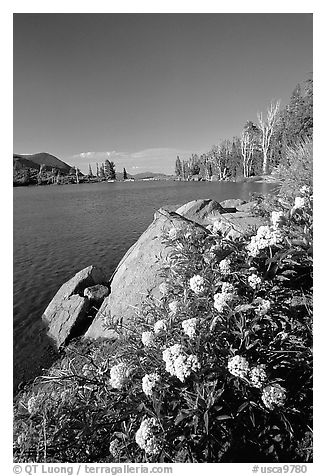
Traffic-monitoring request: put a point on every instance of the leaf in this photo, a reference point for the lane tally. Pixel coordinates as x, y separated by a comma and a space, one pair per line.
223, 417
206, 420
182, 415
242, 407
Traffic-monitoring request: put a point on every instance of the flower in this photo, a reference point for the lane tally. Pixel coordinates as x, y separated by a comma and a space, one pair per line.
145, 437
147, 338
177, 363
173, 233
119, 375
115, 447
224, 298
264, 306
174, 307
228, 288
266, 236
254, 281
224, 266
21, 439
87, 370
305, 190
148, 383
277, 219
163, 287
160, 326
238, 366
273, 396
299, 202
32, 405
196, 284
218, 227
189, 327
257, 376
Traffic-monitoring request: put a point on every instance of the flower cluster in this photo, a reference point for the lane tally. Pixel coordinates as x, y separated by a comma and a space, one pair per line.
273, 396
257, 376
115, 448
178, 363
145, 436
160, 326
263, 306
32, 405
224, 266
299, 202
163, 287
277, 219
197, 284
238, 366
225, 297
254, 281
189, 327
218, 227
174, 307
119, 375
265, 237
148, 383
148, 338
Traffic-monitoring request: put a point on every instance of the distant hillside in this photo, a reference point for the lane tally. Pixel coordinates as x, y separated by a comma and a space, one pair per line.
144, 175
35, 160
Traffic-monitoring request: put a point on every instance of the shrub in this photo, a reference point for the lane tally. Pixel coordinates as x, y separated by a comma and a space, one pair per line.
219, 369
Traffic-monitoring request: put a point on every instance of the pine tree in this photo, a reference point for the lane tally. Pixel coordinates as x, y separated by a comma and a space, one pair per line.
125, 175
178, 167
90, 172
112, 175
97, 170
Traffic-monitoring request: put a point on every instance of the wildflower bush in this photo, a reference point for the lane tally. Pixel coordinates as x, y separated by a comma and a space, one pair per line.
218, 369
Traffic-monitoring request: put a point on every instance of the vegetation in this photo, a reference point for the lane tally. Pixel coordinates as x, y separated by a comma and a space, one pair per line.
260, 147
219, 369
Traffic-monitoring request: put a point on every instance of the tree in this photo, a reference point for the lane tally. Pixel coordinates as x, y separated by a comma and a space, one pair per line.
125, 175
77, 171
248, 146
266, 128
97, 170
101, 171
112, 175
107, 168
90, 172
178, 167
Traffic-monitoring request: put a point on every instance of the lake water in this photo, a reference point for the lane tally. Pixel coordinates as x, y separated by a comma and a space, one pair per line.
58, 230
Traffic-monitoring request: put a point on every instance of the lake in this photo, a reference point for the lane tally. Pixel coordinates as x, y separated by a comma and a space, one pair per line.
58, 230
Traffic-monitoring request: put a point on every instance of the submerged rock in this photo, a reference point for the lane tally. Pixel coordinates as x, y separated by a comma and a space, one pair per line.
96, 293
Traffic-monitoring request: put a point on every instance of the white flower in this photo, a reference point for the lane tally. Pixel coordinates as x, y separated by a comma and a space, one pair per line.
273, 396
228, 288
177, 363
145, 437
163, 287
189, 327
266, 236
21, 438
160, 326
224, 266
264, 306
222, 301
305, 190
147, 338
257, 376
238, 366
32, 405
196, 284
174, 307
87, 370
173, 233
148, 383
277, 219
254, 281
119, 375
115, 447
218, 227
299, 202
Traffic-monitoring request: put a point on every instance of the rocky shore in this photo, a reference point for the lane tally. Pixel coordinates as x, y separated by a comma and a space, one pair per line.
90, 303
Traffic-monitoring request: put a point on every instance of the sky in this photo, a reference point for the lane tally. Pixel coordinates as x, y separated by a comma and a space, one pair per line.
141, 89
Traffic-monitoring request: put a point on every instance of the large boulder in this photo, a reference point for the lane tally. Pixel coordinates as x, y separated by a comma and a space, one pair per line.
68, 309
201, 211
138, 273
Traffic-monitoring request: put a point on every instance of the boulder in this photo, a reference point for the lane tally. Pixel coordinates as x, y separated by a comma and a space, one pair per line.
96, 293
69, 315
138, 274
239, 224
201, 211
232, 203
68, 307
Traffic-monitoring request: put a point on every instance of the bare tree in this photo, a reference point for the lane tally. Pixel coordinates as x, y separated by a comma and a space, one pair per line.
247, 151
266, 128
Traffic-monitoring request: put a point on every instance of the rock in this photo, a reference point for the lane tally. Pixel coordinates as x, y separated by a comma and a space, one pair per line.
67, 309
201, 211
69, 315
232, 203
239, 224
96, 293
138, 274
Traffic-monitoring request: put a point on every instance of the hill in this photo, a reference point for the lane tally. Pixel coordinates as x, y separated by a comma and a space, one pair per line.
33, 161
145, 175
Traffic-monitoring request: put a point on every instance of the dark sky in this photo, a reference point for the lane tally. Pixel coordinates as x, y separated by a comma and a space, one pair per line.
148, 86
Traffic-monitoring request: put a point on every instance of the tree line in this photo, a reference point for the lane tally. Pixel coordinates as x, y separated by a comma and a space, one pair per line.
261, 145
